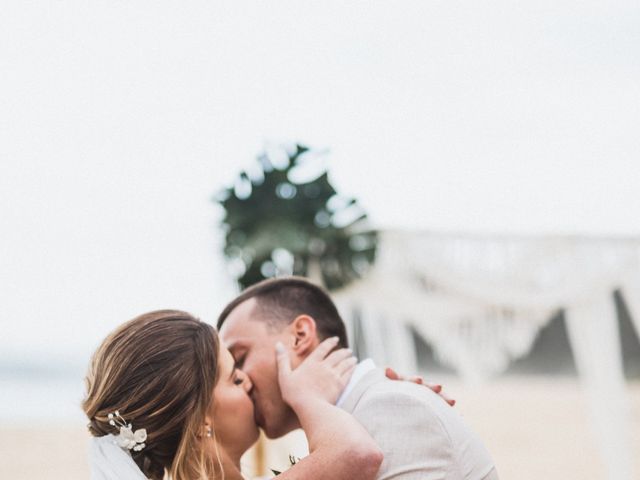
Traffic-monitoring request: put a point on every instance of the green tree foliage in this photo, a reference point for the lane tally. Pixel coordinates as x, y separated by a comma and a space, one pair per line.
277, 223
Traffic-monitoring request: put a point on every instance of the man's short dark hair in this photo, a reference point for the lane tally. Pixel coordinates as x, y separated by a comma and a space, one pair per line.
281, 300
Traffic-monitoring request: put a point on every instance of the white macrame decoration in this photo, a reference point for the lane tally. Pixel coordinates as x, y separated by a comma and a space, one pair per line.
480, 301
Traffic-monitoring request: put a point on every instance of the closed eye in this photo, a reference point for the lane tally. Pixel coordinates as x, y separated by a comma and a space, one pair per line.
236, 379
239, 363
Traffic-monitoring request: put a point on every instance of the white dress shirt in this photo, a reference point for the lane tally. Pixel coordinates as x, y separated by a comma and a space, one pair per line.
360, 371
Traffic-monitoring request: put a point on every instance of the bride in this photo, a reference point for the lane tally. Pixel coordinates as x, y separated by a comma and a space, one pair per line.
164, 398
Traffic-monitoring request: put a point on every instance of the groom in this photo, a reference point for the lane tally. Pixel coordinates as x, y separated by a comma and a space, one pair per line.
420, 435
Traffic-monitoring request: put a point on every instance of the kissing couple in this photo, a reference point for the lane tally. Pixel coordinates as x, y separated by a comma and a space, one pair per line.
168, 396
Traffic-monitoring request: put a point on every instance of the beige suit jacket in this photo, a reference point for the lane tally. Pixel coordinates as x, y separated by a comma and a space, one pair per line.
422, 437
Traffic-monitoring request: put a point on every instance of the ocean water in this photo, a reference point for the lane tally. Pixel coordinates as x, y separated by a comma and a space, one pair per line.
41, 398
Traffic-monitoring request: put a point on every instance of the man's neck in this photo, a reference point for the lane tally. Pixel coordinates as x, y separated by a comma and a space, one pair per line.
360, 371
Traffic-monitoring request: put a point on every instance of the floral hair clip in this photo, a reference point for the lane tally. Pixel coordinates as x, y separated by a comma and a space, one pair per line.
128, 438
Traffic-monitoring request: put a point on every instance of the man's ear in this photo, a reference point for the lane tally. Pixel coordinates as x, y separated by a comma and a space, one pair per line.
305, 335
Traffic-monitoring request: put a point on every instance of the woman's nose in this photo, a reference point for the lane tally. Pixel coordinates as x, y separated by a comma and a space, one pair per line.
246, 382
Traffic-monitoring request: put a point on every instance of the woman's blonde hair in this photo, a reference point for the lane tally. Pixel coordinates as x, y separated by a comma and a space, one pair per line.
158, 370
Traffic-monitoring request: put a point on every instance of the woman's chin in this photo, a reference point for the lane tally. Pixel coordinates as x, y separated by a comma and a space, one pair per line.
255, 436
250, 440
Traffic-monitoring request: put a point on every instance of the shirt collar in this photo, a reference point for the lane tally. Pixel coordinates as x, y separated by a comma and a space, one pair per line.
360, 371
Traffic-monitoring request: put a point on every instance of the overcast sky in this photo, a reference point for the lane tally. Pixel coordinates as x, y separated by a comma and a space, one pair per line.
120, 119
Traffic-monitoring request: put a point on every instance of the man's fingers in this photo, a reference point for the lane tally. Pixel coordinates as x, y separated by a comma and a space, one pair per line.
282, 359
324, 348
335, 357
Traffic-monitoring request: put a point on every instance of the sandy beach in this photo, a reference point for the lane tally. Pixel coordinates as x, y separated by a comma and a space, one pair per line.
534, 427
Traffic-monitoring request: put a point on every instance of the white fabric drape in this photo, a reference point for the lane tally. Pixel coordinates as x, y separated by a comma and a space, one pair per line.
107, 461
480, 302
631, 294
593, 330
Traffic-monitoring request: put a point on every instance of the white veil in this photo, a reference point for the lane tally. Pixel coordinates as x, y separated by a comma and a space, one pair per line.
108, 461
